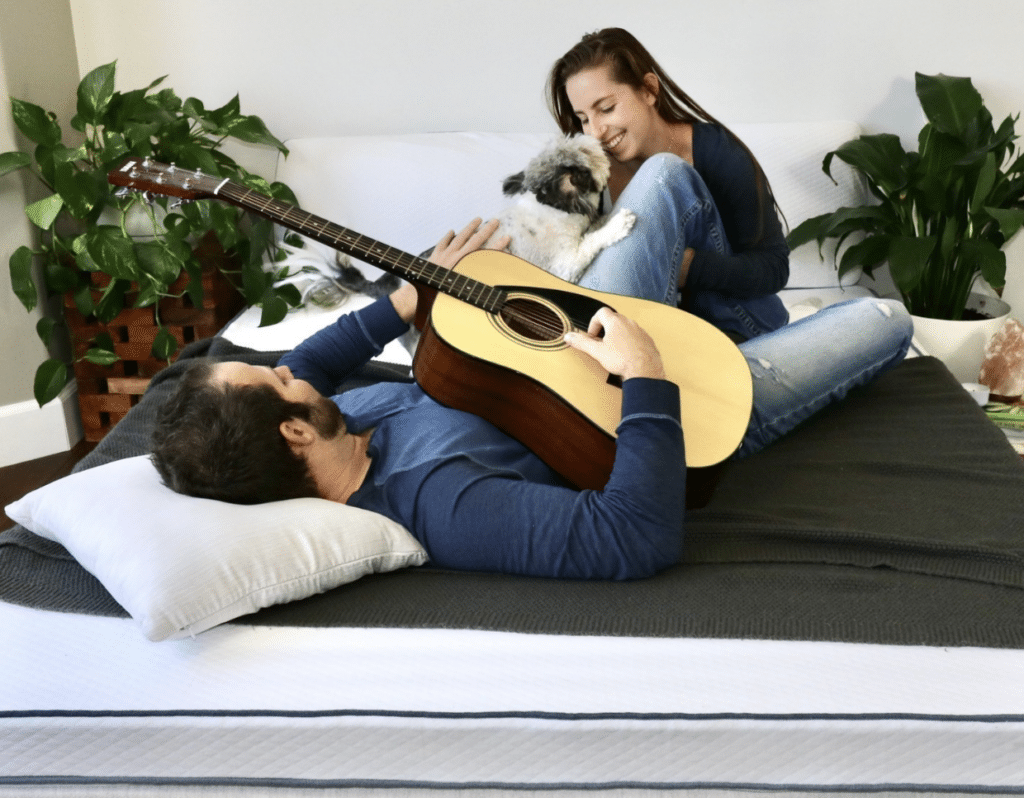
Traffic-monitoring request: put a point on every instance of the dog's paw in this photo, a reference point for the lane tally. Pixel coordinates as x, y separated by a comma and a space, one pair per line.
619, 225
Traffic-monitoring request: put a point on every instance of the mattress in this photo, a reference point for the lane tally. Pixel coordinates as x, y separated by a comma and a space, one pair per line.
900, 672
87, 701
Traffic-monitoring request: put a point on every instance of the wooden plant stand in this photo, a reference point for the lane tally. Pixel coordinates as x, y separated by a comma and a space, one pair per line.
107, 393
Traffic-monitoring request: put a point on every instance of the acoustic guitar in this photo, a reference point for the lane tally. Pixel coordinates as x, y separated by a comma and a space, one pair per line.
497, 350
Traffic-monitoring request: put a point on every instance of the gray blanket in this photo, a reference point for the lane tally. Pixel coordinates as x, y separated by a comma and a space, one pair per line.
894, 517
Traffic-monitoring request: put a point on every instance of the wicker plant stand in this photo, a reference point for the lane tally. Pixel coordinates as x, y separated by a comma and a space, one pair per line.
107, 393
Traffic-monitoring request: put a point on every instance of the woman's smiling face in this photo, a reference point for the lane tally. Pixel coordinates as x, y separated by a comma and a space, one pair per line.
623, 119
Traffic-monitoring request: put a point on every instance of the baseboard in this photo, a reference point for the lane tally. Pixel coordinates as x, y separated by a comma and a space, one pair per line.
28, 431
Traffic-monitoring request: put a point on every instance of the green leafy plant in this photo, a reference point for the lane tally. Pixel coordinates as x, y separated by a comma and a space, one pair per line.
943, 213
83, 225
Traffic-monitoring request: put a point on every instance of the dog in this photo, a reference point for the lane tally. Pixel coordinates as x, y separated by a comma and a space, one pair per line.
556, 224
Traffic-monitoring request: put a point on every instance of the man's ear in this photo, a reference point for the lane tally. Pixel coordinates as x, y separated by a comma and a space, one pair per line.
297, 432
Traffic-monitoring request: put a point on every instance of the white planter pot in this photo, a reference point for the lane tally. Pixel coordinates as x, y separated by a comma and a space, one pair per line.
961, 344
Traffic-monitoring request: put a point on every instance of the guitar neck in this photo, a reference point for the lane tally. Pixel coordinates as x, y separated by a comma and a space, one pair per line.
409, 267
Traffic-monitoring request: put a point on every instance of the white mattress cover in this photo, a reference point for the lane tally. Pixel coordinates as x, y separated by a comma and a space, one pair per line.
88, 699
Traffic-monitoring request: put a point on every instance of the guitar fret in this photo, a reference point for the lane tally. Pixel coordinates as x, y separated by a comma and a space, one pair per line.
405, 265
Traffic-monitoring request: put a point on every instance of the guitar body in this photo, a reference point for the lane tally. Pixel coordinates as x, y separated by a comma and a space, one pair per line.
557, 401
494, 341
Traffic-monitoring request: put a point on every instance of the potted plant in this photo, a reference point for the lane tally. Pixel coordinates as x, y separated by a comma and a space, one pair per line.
88, 250
942, 214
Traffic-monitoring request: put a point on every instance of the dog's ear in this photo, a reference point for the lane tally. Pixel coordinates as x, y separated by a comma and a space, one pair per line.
514, 184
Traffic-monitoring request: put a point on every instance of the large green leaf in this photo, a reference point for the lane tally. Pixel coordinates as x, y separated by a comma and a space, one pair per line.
880, 157
112, 252
951, 104
1009, 220
35, 124
275, 308
83, 299
867, 255
21, 277
939, 154
986, 258
251, 129
95, 92
806, 231
986, 180
77, 189
164, 345
101, 357
44, 212
112, 301
51, 377
44, 329
843, 221
59, 278
908, 259
10, 161
158, 263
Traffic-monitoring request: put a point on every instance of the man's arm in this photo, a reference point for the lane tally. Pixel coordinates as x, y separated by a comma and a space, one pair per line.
470, 517
327, 357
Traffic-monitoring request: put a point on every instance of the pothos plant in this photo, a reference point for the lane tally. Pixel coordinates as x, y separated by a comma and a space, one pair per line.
942, 214
82, 221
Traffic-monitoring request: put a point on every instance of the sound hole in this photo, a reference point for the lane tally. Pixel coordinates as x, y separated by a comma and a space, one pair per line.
532, 320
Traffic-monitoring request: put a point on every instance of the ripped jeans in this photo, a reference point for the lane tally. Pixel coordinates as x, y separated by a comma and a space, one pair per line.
675, 210
797, 368
800, 368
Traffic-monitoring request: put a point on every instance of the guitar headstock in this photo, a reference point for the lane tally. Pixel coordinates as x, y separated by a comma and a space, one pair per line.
146, 175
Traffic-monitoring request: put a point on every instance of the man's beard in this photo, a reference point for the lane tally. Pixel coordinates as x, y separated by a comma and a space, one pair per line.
327, 419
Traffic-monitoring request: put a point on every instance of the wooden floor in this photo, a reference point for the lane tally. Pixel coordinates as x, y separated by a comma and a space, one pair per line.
17, 480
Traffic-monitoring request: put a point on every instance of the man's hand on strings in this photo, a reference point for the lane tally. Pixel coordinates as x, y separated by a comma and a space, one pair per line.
624, 350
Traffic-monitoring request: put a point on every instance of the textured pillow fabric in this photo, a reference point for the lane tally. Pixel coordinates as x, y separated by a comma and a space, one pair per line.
181, 565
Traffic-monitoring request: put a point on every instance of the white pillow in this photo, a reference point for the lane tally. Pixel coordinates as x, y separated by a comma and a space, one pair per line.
181, 565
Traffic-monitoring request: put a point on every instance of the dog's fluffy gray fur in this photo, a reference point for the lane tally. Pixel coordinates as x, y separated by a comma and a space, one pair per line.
556, 223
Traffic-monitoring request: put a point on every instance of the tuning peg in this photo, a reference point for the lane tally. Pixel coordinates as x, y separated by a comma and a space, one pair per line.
123, 192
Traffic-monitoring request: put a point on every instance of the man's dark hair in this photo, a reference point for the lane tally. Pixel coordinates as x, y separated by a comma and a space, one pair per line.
221, 441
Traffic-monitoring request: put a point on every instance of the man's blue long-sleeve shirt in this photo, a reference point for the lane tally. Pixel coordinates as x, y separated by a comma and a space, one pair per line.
479, 500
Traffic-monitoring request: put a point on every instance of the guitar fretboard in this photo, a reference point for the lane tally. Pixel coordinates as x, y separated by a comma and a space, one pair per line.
408, 267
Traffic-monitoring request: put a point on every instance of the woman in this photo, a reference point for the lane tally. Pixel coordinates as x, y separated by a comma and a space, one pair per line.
708, 235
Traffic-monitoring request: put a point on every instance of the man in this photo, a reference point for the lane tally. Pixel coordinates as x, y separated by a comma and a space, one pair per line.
474, 497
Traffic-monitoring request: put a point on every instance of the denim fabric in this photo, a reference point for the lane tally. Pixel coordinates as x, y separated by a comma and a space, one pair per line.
675, 210
813, 362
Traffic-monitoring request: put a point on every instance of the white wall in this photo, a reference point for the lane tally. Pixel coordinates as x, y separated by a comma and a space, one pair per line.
38, 62
330, 67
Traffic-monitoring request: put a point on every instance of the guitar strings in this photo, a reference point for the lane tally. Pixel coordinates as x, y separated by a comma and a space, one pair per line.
540, 320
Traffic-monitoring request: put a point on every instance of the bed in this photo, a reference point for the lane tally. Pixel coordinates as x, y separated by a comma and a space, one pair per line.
848, 615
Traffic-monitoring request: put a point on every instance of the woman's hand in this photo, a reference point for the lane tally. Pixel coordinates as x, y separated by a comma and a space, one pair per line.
625, 349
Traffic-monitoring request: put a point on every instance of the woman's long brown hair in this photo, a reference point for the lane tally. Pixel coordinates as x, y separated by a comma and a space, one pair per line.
630, 62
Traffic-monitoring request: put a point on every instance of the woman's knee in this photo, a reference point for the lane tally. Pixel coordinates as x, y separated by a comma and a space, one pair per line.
664, 168
665, 181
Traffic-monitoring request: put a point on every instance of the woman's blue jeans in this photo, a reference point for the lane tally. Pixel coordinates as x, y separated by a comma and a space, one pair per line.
675, 210
798, 368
